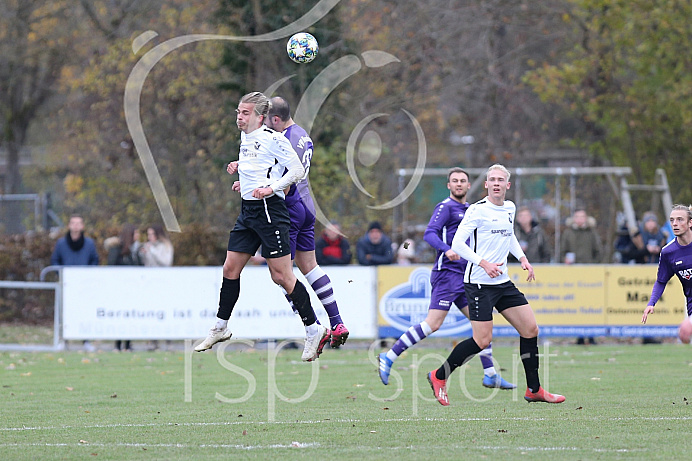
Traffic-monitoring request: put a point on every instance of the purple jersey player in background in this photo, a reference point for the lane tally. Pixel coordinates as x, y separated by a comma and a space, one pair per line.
676, 259
447, 280
302, 212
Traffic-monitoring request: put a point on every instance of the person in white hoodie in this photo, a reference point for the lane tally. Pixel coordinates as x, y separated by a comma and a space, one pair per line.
158, 251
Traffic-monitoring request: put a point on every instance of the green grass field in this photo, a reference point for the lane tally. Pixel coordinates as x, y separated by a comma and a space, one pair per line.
623, 402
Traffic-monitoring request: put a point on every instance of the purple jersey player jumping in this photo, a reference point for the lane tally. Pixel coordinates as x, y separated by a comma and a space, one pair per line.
447, 280
302, 212
676, 259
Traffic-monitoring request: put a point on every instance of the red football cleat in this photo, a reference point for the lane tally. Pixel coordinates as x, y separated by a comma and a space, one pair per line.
439, 387
339, 335
543, 396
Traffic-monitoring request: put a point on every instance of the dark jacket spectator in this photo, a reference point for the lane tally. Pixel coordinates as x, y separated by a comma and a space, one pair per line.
626, 250
374, 248
124, 250
75, 249
332, 247
653, 238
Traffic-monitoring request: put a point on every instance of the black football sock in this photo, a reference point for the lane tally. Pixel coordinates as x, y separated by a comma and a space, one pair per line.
528, 350
230, 291
301, 303
462, 353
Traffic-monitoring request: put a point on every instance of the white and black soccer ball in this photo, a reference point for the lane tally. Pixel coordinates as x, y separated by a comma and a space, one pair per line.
302, 48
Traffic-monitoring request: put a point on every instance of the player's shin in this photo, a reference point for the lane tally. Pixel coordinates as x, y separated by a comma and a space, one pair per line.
528, 350
461, 354
230, 291
301, 302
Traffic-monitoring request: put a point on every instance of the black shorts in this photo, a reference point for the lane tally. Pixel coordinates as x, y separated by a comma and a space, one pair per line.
482, 299
262, 222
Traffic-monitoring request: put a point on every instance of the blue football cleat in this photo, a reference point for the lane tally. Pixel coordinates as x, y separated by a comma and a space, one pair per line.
497, 381
385, 368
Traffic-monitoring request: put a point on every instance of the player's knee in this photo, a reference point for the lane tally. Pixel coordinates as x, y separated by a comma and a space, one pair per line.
434, 324
483, 340
230, 272
685, 331
531, 332
285, 280
279, 279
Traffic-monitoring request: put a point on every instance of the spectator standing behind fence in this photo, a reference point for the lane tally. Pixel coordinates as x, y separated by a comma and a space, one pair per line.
580, 244
158, 251
531, 237
629, 249
124, 251
332, 248
653, 237
374, 248
75, 249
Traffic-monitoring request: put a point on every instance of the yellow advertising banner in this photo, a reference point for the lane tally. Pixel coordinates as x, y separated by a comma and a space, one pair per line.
564, 295
628, 292
574, 300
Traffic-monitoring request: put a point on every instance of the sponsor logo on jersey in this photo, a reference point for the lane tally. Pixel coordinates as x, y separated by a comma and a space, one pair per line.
686, 274
245, 153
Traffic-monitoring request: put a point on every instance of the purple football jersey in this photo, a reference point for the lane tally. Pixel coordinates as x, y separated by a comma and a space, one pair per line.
302, 144
440, 232
675, 260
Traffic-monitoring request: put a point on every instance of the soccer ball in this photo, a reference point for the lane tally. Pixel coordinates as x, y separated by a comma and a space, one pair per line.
302, 48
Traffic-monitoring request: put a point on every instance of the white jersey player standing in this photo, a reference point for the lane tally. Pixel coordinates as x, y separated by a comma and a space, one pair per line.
489, 224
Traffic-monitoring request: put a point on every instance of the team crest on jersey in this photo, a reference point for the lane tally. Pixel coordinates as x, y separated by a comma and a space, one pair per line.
510, 218
686, 274
257, 145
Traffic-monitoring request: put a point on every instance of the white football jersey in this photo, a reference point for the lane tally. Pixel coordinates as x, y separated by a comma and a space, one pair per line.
264, 156
491, 232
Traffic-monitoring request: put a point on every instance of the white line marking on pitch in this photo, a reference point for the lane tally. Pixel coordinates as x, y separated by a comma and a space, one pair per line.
163, 445
323, 421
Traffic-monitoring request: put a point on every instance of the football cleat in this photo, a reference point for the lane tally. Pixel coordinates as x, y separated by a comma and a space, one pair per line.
215, 336
439, 387
385, 368
315, 344
496, 381
543, 396
339, 335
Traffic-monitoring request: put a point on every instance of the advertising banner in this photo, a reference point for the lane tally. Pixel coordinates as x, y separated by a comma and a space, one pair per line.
142, 303
568, 300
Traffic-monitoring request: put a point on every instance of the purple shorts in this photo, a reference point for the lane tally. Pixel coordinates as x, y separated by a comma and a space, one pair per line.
447, 288
302, 230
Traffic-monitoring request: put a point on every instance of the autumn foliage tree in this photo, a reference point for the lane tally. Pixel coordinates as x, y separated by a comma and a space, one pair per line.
626, 82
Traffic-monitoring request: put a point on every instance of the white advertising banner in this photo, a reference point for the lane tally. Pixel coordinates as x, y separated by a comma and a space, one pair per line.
181, 303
